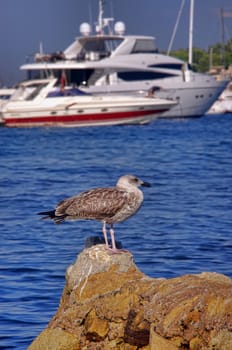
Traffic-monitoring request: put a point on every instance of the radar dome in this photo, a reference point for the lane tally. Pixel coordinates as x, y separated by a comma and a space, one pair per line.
119, 28
85, 29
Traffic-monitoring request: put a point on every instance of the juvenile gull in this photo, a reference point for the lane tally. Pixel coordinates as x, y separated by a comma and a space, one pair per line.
108, 205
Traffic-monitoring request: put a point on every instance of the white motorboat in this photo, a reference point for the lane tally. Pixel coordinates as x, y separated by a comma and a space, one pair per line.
5, 95
224, 103
44, 103
110, 61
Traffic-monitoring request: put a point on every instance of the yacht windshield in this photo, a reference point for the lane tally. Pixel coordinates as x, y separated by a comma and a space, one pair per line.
100, 46
144, 46
27, 92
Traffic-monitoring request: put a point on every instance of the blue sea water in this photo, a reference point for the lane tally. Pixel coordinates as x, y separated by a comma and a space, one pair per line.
183, 227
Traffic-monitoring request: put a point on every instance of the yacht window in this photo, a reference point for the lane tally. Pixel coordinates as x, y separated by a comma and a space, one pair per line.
79, 76
102, 46
99, 44
144, 46
34, 74
176, 66
5, 96
142, 75
74, 76
94, 45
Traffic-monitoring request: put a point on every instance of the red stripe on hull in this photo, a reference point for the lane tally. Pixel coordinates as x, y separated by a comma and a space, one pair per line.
81, 119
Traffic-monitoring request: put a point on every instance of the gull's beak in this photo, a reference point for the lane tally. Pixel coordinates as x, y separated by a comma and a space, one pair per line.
146, 184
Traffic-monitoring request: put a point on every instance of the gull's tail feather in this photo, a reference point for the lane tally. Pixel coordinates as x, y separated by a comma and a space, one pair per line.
51, 215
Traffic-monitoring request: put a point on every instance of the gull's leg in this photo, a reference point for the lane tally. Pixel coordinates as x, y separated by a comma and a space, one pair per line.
114, 249
112, 237
105, 234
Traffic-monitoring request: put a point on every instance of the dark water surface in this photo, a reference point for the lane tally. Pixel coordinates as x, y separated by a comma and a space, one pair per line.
184, 226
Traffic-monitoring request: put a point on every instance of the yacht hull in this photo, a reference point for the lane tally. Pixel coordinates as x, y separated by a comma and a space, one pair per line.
193, 98
77, 120
92, 112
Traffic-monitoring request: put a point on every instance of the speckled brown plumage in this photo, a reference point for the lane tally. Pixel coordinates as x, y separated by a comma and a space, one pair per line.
108, 205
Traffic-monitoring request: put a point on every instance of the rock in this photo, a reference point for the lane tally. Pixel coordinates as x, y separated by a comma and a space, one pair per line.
108, 303
55, 339
195, 307
222, 340
158, 342
96, 328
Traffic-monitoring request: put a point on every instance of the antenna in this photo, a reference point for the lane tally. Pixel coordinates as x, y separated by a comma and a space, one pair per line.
100, 18
103, 22
41, 48
90, 14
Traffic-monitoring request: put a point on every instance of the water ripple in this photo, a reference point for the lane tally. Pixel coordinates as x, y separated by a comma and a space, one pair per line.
183, 227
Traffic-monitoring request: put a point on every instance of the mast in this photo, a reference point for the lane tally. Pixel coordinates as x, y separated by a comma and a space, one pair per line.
100, 17
190, 58
223, 38
175, 28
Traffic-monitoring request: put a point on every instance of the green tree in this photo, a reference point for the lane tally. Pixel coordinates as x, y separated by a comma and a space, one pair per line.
221, 55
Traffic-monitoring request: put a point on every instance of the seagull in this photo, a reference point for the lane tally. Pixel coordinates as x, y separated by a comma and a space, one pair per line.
108, 205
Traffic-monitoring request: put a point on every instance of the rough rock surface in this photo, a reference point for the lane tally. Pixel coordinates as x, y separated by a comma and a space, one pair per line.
108, 304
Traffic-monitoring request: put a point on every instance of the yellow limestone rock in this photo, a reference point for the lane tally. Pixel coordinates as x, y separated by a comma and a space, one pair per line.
55, 339
96, 328
159, 343
221, 341
108, 304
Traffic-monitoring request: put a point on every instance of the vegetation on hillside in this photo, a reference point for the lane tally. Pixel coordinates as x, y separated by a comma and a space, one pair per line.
217, 55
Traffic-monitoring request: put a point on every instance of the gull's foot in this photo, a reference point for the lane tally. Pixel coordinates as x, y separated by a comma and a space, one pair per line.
112, 251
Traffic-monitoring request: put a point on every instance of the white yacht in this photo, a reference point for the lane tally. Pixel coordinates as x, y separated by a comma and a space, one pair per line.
110, 61
224, 103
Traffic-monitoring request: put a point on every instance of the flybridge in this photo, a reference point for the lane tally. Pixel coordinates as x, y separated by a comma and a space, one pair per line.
95, 48
106, 41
